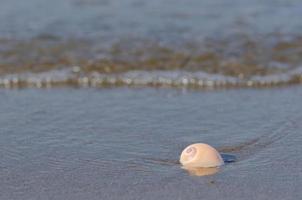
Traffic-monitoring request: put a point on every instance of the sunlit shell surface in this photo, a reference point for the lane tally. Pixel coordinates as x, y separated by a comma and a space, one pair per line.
200, 155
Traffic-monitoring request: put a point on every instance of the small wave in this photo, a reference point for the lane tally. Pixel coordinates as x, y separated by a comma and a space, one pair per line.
156, 78
243, 60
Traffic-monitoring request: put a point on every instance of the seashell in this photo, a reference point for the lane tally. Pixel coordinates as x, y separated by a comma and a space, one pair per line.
200, 155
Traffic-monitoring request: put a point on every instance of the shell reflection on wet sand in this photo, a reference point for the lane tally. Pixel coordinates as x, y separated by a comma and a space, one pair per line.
201, 159
201, 171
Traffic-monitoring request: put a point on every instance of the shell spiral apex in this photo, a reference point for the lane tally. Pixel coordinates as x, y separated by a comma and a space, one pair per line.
200, 155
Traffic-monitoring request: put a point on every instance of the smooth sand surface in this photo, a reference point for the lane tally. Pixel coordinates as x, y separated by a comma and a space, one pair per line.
125, 143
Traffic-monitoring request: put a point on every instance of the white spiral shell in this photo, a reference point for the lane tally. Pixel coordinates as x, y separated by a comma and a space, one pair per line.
200, 155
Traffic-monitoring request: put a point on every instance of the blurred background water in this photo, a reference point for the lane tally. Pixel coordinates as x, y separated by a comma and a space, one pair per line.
171, 43
98, 98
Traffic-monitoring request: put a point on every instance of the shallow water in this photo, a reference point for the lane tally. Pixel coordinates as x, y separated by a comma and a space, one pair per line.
203, 44
124, 143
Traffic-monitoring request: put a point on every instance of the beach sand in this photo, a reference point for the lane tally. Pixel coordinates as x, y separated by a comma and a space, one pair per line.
125, 143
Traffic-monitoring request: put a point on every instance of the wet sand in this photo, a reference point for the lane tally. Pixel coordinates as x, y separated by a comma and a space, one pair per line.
125, 143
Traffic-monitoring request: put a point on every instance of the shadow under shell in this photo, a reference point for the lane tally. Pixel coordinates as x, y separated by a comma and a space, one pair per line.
228, 158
